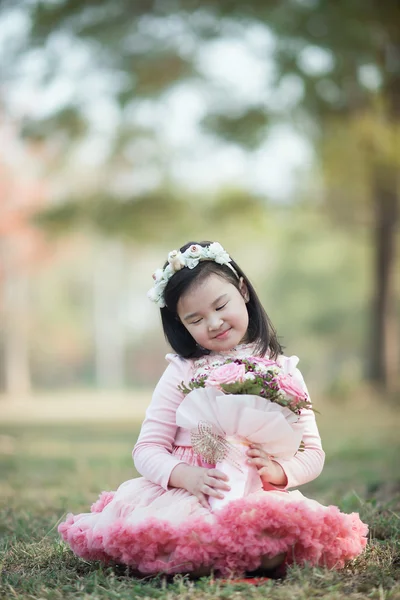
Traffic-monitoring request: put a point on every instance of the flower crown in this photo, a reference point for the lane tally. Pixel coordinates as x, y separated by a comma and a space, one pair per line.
190, 258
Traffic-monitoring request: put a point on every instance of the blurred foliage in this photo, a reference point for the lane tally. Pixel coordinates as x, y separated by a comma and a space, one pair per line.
56, 219
355, 152
341, 52
155, 72
343, 58
314, 288
114, 214
69, 121
236, 206
136, 218
161, 216
247, 129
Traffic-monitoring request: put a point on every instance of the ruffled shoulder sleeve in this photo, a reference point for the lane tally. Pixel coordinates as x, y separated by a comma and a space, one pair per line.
288, 365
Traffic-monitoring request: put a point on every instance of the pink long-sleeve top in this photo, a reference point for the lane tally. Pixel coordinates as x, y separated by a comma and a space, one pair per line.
159, 434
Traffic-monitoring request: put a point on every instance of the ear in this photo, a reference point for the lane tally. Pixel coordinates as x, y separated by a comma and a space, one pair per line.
244, 290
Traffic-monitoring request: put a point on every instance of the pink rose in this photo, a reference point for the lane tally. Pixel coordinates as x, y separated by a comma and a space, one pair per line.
267, 362
230, 373
290, 387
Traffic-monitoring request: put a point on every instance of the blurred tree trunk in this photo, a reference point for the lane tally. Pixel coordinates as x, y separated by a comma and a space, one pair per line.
384, 351
21, 249
108, 290
15, 306
385, 346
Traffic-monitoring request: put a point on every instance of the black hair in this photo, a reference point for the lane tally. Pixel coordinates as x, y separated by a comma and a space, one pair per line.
260, 329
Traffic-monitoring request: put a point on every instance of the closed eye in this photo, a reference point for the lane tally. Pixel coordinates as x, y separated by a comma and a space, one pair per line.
195, 322
221, 307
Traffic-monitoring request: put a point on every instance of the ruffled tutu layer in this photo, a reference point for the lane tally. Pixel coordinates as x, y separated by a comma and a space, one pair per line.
153, 531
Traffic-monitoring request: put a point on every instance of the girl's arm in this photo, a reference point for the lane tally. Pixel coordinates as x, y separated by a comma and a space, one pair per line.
304, 466
307, 465
152, 452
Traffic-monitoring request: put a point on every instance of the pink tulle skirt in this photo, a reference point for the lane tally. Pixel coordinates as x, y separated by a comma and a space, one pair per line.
158, 531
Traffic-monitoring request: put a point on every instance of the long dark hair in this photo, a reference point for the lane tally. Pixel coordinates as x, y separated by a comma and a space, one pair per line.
260, 330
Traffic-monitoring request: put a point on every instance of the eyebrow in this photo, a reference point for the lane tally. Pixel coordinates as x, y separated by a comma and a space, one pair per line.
191, 315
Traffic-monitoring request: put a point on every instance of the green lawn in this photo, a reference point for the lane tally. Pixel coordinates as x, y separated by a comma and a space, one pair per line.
47, 470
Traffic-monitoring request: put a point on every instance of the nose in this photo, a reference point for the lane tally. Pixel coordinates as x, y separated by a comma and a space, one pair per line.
214, 323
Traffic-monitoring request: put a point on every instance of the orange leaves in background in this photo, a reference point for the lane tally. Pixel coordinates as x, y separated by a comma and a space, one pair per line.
23, 192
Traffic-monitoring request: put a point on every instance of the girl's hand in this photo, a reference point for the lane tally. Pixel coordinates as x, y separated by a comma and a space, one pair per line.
206, 482
200, 482
269, 470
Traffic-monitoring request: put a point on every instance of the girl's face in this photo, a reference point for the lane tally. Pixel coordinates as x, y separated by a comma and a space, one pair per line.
214, 313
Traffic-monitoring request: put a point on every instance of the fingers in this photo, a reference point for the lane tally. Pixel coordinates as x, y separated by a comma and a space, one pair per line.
255, 446
203, 500
217, 474
206, 483
258, 457
210, 491
260, 462
216, 483
203, 495
213, 482
257, 452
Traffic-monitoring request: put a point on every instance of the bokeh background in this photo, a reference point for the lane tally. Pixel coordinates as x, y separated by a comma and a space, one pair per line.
129, 128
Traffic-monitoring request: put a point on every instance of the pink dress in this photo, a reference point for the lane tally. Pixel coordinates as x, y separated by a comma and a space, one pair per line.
156, 528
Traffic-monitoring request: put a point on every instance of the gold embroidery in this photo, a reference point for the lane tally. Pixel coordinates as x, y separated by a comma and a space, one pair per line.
212, 447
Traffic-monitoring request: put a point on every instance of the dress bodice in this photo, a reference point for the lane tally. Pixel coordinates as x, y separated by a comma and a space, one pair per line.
214, 359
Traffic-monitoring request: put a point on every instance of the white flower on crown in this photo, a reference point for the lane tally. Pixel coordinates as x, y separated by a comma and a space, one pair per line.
194, 251
216, 252
158, 275
191, 263
176, 261
190, 259
156, 294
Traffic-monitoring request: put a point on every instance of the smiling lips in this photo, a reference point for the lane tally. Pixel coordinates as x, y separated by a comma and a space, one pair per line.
222, 335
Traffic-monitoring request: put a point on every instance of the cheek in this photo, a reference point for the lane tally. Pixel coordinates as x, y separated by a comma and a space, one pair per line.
244, 318
240, 315
195, 332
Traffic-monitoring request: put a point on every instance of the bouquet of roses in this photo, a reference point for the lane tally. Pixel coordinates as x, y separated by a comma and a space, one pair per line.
253, 375
230, 404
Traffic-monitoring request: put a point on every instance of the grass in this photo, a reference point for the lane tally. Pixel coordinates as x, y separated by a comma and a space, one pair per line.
47, 470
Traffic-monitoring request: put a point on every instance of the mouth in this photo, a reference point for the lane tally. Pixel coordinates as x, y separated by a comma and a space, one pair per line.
222, 335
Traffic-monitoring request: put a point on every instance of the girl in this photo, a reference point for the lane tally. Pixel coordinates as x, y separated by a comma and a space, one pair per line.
162, 522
